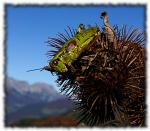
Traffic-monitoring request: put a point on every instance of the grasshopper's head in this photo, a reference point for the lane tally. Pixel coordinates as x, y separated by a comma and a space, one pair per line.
56, 65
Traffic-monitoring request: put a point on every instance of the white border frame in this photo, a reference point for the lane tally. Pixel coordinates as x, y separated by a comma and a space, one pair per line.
2, 57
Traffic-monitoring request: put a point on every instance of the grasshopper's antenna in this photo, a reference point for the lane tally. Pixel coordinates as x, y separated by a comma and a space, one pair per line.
41, 69
35, 69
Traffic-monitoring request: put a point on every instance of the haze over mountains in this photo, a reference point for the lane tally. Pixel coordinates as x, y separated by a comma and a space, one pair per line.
38, 100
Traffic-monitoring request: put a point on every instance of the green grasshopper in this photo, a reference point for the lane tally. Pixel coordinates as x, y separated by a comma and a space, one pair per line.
71, 50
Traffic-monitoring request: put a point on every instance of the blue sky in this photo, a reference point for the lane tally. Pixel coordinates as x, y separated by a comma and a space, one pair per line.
28, 27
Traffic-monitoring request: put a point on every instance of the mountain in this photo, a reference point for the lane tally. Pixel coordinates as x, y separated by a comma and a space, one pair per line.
39, 100
20, 94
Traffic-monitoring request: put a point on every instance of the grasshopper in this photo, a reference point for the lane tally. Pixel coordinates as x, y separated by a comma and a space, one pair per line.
71, 50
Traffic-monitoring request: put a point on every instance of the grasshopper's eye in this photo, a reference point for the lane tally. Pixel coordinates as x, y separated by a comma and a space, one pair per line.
55, 62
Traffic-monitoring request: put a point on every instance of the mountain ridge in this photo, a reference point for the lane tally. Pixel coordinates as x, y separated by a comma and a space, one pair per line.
38, 100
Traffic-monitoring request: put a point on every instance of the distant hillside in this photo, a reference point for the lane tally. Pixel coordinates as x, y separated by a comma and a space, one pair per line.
40, 100
20, 94
40, 110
